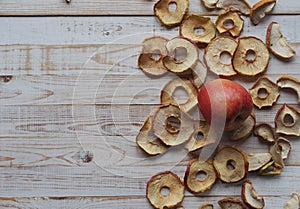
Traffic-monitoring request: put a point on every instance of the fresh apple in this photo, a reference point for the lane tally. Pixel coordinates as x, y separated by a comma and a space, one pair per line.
224, 103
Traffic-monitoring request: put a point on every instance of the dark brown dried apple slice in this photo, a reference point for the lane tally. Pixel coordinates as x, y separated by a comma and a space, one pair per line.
265, 132
236, 5
251, 56
168, 16
260, 9
258, 160
250, 196
147, 141
230, 22
206, 206
169, 181
270, 169
245, 130
287, 121
231, 203
291, 83
199, 176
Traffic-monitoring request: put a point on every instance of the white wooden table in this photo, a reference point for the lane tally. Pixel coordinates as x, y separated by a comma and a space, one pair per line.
73, 85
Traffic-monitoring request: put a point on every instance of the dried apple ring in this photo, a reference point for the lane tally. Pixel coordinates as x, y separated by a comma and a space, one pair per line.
264, 92
150, 59
290, 82
287, 121
220, 46
260, 9
231, 164
250, 196
169, 181
265, 132
236, 5
168, 16
189, 55
230, 22
192, 23
276, 153
251, 56
167, 93
231, 203
245, 130
196, 169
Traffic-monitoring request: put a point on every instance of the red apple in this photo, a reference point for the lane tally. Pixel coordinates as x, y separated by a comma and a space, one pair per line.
224, 103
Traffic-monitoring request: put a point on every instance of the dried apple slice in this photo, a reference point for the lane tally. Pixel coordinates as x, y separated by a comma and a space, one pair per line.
270, 169
251, 56
196, 169
276, 153
230, 22
171, 125
214, 52
250, 196
199, 74
168, 16
277, 43
147, 141
150, 59
245, 130
291, 83
169, 181
192, 22
264, 92
236, 5
287, 121
209, 4
258, 160
285, 147
265, 132
231, 164
188, 58
293, 203
260, 9
206, 206
231, 203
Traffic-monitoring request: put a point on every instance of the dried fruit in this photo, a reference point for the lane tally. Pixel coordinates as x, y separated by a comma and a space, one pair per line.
231, 164
277, 43
236, 5
245, 130
209, 4
214, 52
199, 74
171, 125
150, 59
231, 203
285, 147
170, 17
196, 168
290, 82
265, 132
293, 203
147, 141
287, 121
251, 56
206, 206
194, 22
258, 160
188, 58
270, 169
276, 153
260, 9
264, 92
230, 22
165, 180
250, 196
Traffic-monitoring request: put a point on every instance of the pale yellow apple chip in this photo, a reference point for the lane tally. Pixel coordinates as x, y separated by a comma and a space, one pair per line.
250, 196
258, 160
230, 22
265, 132
237, 5
291, 83
293, 203
261, 9
287, 121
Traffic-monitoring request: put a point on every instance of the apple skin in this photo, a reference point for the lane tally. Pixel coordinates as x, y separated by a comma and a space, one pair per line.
225, 103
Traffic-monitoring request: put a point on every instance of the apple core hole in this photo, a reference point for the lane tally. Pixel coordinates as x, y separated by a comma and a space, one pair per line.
165, 191
231, 164
199, 136
156, 55
288, 120
250, 55
199, 30
228, 24
225, 58
201, 175
180, 95
173, 124
180, 54
172, 6
262, 93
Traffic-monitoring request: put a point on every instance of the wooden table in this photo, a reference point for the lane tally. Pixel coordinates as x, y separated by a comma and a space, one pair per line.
70, 83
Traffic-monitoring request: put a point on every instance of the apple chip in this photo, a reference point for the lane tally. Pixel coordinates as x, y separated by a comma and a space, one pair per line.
199, 176
264, 92
206, 206
150, 59
250, 196
260, 9
277, 43
285, 147
230, 22
169, 17
287, 121
251, 56
231, 164
236, 5
265, 132
293, 203
215, 51
270, 169
231, 203
258, 160
199, 74
276, 153
182, 55
209, 4
194, 23
147, 141
245, 130
170, 182
291, 83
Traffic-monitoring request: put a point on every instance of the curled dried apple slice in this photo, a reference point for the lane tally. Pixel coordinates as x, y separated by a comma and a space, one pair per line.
264, 92
251, 56
231, 164
170, 182
237, 5
147, 141
194, 23
276, 153
199, 176
270, 169
260, 9
167, 93
250, 196
277, 43
169, 17
182, 55
245, 130
258, 160
287, 121
285, 146
171, 125
230, 22
215, 51
231, 203
199, 74
209, 4
150, 59
291, 83
265, 132
293, 203
206, 206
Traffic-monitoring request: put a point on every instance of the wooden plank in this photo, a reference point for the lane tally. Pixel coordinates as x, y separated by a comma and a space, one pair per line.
105, 7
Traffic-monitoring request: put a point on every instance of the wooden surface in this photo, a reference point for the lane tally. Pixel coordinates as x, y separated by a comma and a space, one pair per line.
70, 82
